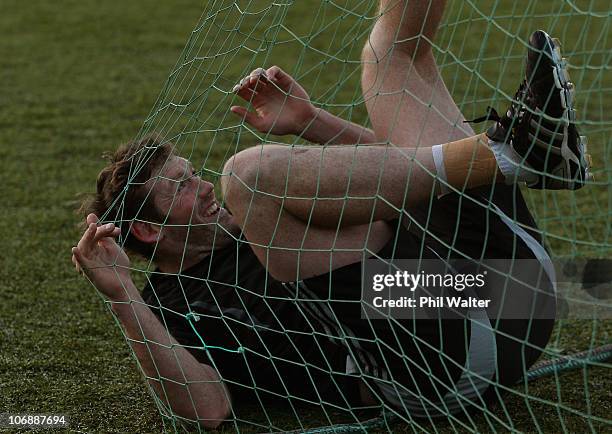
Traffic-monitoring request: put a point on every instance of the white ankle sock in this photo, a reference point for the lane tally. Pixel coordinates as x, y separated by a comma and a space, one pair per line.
438, 157
511, 164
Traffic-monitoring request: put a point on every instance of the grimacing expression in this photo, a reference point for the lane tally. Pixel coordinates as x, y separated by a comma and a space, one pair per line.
187, 200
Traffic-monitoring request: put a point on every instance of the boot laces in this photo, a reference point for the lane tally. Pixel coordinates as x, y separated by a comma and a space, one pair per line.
515, 109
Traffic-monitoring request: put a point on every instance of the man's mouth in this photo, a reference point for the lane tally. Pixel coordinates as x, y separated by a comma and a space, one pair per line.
212, 210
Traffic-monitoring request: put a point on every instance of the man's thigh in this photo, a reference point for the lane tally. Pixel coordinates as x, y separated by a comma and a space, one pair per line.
331, 186
292, 249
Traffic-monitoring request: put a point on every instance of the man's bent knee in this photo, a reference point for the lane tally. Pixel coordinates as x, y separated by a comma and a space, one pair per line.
248, 171
239, 175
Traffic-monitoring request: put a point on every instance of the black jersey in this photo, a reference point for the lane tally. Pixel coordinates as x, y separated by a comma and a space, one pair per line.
301, 341
269, 346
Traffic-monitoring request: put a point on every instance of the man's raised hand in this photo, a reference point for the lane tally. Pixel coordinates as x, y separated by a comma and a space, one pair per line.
281, 105
102, 260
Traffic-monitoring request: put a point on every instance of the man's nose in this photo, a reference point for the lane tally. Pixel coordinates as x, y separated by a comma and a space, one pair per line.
205, 188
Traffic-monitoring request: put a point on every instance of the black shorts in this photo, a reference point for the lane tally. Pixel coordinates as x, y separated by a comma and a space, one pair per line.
433, 367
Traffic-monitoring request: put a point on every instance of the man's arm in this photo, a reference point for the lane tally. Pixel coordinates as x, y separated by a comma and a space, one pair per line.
282, 107
190, 389
327, 128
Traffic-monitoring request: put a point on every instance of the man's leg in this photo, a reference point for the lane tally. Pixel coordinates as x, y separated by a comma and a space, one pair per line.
407, 101
338, 186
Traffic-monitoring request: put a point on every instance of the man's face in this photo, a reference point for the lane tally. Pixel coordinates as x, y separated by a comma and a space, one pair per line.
189, 202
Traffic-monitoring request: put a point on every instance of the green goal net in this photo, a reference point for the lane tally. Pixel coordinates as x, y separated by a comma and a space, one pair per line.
479, 49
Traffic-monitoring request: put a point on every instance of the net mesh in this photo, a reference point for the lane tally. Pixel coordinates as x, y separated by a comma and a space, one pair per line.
480, 49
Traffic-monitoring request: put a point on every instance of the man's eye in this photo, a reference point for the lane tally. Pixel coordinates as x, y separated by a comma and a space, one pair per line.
186, 180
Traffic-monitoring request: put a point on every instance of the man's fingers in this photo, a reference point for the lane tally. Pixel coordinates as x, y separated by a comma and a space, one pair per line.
243, 90
246, 115
246, 93
73, 258
91, 218
86, 241
251, 80
104, 231
258, 72
256, 76
95, 233
274, 72
277, 75
76, 258
238, 110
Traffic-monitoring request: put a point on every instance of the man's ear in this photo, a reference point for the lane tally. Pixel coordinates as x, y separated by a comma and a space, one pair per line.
145, 232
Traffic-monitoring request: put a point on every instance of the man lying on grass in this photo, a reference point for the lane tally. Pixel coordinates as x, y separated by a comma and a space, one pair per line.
273, 274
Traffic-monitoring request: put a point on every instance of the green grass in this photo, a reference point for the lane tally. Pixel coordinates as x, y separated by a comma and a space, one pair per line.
79, 77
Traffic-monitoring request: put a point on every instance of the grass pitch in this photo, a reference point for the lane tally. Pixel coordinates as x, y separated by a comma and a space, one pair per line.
79, 77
